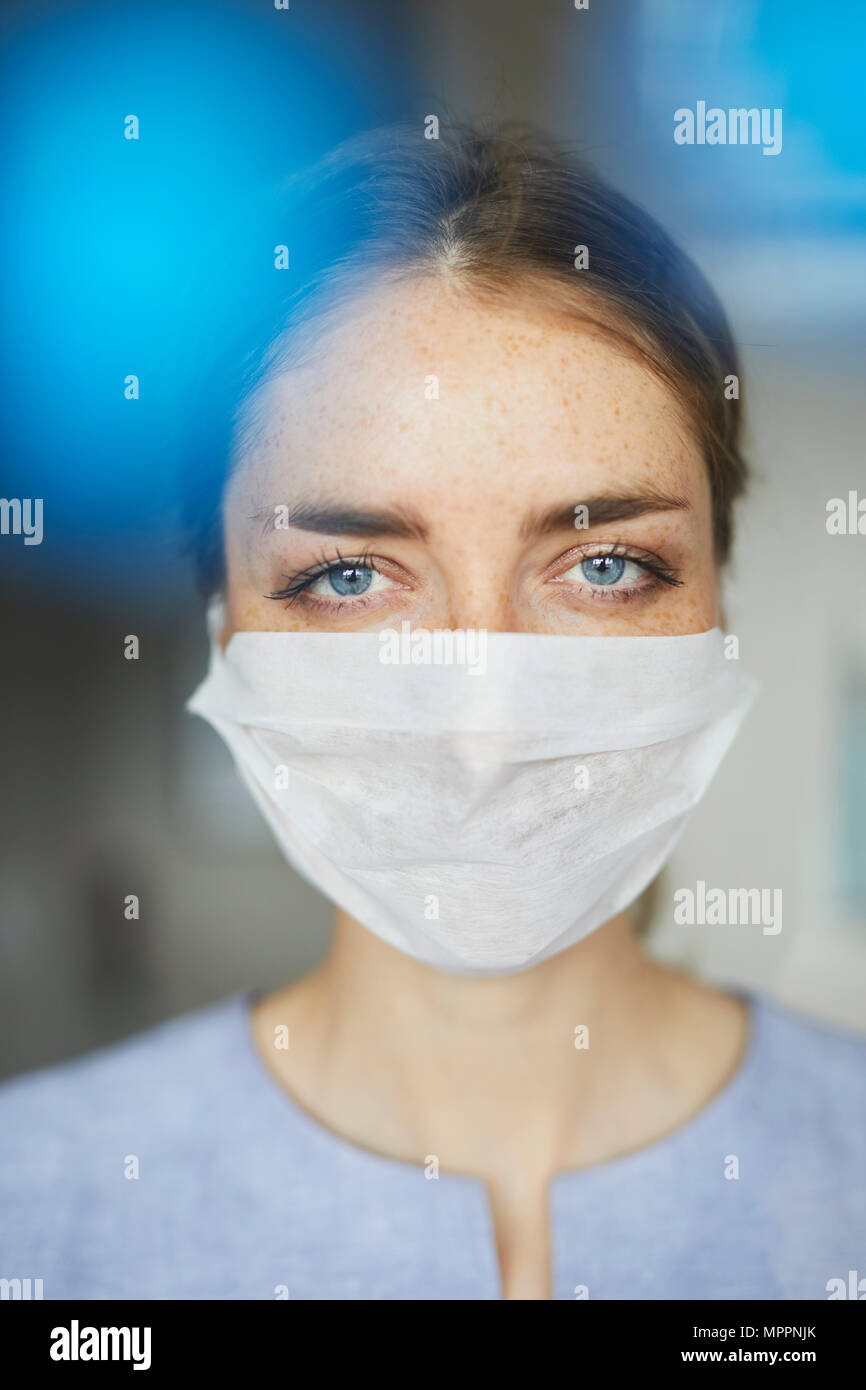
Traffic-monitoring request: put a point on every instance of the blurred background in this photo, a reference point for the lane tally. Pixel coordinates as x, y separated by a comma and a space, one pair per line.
113, 264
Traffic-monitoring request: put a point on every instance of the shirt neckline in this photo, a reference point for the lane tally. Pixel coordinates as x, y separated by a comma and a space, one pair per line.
289, 1109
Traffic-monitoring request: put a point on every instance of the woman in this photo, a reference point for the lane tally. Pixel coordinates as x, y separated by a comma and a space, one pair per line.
501, 412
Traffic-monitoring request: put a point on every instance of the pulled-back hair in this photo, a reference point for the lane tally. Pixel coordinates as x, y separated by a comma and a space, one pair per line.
495, 211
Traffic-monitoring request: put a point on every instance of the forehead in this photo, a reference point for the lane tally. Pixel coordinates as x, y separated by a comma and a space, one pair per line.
422, 389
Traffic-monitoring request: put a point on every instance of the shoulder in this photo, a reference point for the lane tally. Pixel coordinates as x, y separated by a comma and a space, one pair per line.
808, 1077
148, 1084
805, 1048
113, 1166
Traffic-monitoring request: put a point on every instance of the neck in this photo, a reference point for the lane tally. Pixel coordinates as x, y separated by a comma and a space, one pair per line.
410, 1061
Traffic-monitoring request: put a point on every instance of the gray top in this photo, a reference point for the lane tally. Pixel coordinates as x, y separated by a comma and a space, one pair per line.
241, 1194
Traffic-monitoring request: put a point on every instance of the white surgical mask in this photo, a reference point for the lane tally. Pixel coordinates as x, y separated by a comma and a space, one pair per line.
478, 819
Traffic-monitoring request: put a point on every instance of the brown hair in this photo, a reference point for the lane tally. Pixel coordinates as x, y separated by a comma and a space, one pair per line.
490, 208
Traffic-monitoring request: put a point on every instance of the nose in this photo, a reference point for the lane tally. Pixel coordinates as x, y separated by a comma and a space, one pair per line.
478, 588
488, 609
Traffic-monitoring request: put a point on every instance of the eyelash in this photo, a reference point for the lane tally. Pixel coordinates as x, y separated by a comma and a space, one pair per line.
662, 573
303, 579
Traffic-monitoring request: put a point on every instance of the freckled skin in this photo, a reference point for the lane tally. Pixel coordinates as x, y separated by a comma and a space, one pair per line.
534, 409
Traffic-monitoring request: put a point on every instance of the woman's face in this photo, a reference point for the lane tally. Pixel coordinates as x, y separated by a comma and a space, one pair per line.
430, 467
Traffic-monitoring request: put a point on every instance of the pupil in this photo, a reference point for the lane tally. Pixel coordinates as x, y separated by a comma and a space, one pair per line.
604, 569
352, 579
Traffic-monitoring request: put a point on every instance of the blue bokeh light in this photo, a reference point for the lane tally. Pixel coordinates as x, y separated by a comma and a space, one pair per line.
135, 256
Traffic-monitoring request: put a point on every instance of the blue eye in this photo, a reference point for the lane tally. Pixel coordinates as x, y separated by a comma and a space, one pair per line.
341, 580
603, 569
619, 575
349, 580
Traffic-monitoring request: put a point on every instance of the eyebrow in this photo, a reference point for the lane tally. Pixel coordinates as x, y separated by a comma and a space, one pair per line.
603, 508
341, 520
